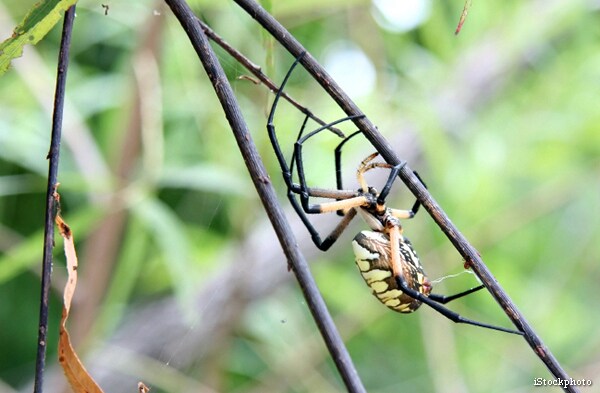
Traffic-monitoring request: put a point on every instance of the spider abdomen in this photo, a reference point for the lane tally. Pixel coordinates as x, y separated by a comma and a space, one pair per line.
372, 251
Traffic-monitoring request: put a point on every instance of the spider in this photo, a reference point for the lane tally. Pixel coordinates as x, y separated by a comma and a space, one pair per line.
385, 258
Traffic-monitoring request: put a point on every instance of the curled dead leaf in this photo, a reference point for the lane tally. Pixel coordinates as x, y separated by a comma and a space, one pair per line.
79, 378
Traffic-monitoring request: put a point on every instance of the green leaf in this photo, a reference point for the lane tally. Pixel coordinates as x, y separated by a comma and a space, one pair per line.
36, 24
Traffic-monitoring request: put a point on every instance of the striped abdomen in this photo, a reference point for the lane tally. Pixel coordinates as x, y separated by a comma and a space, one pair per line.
372, 251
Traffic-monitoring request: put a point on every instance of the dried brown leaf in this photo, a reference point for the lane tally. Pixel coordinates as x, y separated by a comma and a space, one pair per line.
142, 388
80, 380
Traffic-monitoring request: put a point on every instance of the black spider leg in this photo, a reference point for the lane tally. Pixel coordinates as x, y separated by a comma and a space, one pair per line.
415, 208
448, 298
395, 170
271, 127
433, 300
304, 207
295, 189
293, 159
298, 158
443, 299
286, 171
451, 315
338, 164
338, 159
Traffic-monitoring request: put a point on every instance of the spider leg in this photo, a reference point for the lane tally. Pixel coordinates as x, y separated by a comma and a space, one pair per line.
446, 299
395, 170
394, 233
271, 127
337, 231
451, 315
298, 159
287, 171
417, 205
293, 159
346, 202
367, 165
406, 214
324, 244
338, 159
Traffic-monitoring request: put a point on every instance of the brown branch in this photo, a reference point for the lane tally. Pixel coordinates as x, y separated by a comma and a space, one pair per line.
468, 252
267, 194
257, 72
51, 203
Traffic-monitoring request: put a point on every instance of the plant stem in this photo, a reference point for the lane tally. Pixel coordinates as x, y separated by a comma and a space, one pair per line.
267, 195
257, 71
468, 252
53, 157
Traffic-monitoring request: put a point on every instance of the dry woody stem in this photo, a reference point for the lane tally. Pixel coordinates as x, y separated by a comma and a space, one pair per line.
53, 157
267, 195
466, 250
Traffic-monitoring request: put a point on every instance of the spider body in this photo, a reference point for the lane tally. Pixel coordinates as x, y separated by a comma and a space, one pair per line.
372, 252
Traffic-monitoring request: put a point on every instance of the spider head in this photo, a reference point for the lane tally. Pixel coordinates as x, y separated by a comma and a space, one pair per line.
379, 218
376, 204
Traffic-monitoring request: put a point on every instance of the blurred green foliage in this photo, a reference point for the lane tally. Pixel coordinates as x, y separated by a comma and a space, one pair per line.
501, 122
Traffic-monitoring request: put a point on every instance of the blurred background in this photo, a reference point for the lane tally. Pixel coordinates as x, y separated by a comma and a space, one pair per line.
182, 282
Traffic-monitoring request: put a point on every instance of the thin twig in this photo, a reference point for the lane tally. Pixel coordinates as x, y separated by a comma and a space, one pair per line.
257, 71
53, 156
463, 17
267, 194
468, 252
